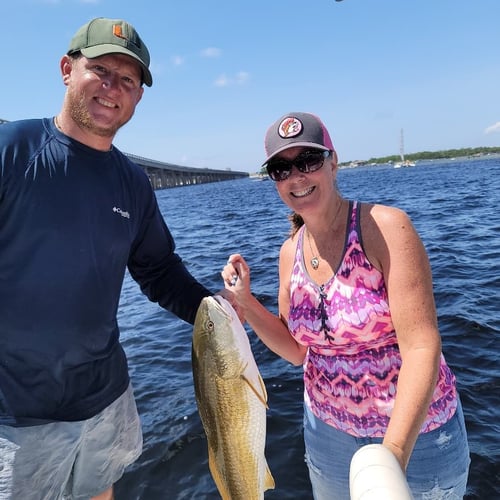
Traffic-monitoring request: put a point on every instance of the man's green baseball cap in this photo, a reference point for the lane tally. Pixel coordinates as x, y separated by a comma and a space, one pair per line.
103, 36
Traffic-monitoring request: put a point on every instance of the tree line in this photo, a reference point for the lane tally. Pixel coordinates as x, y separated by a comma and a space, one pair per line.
434, 155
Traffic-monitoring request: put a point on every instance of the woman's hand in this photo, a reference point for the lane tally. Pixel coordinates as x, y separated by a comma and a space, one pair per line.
236, 276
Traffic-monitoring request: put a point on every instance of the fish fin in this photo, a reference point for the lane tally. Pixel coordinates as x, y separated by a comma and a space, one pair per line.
221, 486
262, 393
269, 480
263, 389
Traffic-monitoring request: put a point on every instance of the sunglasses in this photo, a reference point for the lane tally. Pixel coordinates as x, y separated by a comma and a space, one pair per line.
306, 162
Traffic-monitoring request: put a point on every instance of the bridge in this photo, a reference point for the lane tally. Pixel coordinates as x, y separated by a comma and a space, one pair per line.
168, 175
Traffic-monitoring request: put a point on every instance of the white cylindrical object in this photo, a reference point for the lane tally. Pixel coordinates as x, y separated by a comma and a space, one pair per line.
375, 474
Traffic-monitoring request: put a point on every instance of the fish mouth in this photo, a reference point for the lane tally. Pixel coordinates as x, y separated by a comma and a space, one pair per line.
213, 312
303, 193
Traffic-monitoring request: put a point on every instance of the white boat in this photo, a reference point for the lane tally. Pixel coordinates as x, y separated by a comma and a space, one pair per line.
403, 162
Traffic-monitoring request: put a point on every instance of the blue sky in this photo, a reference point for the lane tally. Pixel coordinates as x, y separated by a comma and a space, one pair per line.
224, 70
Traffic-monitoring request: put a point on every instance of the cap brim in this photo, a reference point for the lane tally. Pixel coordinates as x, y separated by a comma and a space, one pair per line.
294, 145
109, 48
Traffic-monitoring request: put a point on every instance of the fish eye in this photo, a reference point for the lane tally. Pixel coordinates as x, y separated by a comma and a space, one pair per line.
210, 324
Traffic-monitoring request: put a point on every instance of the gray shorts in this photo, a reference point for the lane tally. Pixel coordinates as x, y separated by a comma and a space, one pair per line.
70, 460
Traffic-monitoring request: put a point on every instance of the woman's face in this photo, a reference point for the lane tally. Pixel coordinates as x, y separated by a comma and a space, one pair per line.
307, 190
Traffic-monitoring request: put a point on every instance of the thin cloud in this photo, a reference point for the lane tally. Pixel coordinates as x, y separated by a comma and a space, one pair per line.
239, 79
211, 52
493, 128
222, 81
242, 77
177, 60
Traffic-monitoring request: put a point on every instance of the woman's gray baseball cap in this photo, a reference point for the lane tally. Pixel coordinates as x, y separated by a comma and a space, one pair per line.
103, 36
296, 129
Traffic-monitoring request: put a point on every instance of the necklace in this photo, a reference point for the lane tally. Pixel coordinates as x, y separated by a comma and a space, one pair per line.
315, 258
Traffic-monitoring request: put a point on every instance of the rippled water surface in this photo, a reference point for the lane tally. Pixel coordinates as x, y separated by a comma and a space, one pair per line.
454, 206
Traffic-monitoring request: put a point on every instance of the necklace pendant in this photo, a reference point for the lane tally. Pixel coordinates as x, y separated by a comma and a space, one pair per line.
315, 263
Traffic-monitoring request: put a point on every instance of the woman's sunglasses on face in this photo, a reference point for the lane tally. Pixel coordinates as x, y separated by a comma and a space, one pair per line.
306, 162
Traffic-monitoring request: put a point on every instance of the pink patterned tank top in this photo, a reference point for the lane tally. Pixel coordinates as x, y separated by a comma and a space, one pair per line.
353, 361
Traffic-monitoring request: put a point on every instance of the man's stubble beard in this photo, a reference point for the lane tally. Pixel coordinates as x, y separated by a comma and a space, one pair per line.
80, 115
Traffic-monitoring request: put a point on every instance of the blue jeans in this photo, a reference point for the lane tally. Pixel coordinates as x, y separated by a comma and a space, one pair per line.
438, 467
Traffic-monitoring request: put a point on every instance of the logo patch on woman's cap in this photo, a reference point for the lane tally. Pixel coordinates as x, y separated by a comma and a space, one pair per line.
290, 127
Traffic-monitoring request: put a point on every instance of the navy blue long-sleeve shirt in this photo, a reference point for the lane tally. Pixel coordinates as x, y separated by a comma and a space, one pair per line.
72, 219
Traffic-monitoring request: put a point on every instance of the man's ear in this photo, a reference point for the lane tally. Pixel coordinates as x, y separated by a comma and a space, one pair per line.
139, 95
66, 65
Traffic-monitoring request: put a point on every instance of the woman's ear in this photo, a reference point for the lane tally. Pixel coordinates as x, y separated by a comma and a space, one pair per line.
334, 157
334, 161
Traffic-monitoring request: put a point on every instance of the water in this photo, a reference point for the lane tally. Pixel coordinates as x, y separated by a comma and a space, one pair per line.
454, 206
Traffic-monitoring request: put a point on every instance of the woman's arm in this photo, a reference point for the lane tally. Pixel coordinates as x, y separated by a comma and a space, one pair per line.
271, 329
394, 245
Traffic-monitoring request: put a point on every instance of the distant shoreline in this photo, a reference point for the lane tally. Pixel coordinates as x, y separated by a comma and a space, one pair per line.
451, 154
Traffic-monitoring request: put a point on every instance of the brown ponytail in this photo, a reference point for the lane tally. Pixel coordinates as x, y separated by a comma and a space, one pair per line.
296, 222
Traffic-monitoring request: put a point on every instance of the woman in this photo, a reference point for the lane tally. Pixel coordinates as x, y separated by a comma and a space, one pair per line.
356, 309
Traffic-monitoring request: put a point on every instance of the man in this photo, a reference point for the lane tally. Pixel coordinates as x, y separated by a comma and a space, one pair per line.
74, 214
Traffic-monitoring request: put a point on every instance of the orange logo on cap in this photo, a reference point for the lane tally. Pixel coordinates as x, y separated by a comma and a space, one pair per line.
290, 127
117, 31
